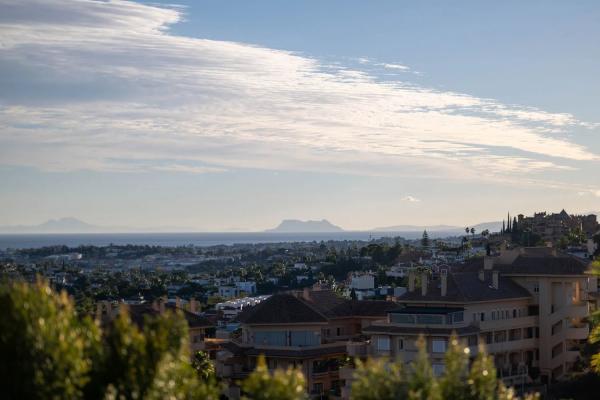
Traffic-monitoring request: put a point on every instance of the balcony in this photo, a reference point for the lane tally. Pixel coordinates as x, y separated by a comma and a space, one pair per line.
358, 349
580, 333
514, 345
347, 372
512, 323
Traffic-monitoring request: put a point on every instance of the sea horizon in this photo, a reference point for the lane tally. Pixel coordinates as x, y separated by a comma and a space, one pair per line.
201, 239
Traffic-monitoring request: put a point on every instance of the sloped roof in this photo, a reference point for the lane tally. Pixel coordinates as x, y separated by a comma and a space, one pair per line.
281, 309
549, 265
534, 261
320, 306
138, 312
463, 287
193, 320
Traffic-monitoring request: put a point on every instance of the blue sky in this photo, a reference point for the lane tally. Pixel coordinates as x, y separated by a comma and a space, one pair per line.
234, 115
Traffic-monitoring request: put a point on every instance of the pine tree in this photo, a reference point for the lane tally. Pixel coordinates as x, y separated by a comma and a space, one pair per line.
453, 384
482, 377
422, 384
379, 379
282, 384
425, 239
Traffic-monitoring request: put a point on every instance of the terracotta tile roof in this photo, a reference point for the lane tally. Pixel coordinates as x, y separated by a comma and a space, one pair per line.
320, 307
464, 287
281, 309
193, 320
559, 265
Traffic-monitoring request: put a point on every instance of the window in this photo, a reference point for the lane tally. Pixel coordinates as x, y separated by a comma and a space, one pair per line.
402, 318
500, 337
482, 316
514, 334
338, 332
430, 319
383, 343
438, 369
304, 338
459, 316
528, 333
438, 346
472, 340
400, 344
493, 315
275, 338
488, 337
318, 388
515, 313
536, 287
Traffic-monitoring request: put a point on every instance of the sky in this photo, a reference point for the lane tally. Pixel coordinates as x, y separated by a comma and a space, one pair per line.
233, 115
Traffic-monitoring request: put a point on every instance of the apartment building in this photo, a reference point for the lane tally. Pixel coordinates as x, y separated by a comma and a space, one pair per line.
307, 330
527, 306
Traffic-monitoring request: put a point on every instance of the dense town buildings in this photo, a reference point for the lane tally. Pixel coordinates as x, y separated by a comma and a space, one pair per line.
316, 306
554, 226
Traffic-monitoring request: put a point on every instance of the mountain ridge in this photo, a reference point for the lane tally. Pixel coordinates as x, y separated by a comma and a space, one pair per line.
309, 226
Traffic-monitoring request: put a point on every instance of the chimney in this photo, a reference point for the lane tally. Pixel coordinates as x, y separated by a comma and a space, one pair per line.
424, 283
488, 263
444, 276
306, 294
193, 306
481, 275
99, 310
161, 304
411, 280
495, 279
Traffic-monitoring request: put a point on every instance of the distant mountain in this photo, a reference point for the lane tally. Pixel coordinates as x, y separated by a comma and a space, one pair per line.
61, 225
494, 226
294, 225
74, 225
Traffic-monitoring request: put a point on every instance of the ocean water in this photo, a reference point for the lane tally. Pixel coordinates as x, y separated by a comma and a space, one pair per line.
21, 241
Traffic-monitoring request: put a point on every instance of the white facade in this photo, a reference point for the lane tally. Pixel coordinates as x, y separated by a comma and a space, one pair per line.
362, 282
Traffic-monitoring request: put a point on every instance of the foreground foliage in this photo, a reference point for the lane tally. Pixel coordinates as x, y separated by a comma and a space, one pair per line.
48, 351
381, 379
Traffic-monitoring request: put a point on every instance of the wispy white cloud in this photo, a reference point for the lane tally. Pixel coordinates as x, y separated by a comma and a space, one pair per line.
410, 199
101, 81
395, 66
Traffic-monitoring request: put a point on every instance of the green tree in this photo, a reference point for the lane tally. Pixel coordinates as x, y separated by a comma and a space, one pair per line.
46, 350
482, 377
594, 319
422, 384
453, 384
203, 366
379, 379
425, 239
281, 384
